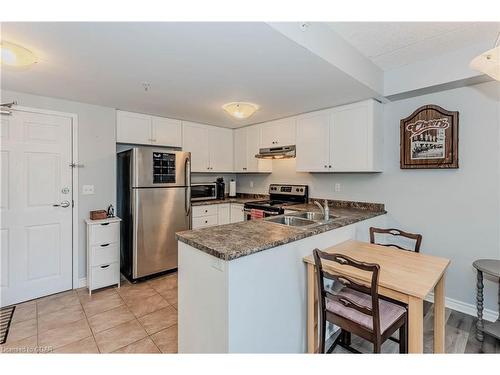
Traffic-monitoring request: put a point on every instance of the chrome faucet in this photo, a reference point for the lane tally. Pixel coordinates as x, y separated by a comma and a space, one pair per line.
325, 210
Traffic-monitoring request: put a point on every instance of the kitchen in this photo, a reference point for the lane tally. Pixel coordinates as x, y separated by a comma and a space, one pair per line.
219, 208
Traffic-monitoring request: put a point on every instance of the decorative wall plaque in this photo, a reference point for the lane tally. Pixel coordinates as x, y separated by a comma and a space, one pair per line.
429, 138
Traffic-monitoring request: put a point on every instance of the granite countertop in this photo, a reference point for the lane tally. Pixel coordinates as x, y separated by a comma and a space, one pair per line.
232, 241
222, 201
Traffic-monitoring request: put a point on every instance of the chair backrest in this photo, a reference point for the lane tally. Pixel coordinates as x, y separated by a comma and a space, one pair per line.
396, 233
347, 282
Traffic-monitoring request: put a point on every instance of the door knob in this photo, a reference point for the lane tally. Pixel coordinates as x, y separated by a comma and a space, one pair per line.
63, 204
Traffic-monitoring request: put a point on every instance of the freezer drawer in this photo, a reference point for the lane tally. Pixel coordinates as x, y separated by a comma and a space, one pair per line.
157, 214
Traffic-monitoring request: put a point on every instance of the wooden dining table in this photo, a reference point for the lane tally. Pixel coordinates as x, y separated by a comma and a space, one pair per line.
404, 276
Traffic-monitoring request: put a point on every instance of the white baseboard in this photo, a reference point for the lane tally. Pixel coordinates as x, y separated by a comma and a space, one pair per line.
466, 308
82, 282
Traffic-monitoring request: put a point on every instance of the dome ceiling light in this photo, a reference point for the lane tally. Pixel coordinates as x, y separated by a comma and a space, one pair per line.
240, 110
14, 55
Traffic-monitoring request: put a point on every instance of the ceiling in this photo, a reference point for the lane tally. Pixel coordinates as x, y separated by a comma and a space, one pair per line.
394, 44
193, 69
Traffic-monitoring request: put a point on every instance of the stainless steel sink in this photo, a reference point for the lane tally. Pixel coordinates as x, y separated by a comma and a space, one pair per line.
291, 221
315, 216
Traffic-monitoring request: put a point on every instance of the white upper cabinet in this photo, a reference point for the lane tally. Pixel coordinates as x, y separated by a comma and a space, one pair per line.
211, 147
278, 133
166, 132
133, 128
195, 140
246, 146
143, 129
220, 143
342, 139
313, 145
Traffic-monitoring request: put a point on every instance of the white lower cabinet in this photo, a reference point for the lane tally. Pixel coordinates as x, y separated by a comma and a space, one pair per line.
217, 214
103, 253
223, 213
237, 213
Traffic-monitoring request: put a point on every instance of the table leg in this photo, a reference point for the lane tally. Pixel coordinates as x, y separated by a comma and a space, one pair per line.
479, 305
439, 322
415, 325
312, 316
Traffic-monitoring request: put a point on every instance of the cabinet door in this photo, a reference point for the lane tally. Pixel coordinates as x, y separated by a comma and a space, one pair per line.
278, 133
349, 138
237, 213
133, 128
166, 132
223, 214
253, 137
240, 150
195, 140
313, 131
220, 142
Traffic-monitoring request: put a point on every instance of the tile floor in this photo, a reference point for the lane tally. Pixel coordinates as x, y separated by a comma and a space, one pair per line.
135, 318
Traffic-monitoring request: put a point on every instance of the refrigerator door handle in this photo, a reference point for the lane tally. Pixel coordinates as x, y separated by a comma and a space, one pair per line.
187, 204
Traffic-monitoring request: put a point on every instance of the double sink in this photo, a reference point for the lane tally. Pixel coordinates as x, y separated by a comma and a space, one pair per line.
302, 219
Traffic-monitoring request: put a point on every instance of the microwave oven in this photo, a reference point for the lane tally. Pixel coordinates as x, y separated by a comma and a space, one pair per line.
203, 191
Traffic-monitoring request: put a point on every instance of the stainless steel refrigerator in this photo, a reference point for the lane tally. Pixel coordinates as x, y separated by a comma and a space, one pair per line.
154, 202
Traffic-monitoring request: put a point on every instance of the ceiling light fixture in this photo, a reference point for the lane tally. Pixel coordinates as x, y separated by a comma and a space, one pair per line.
489, 62
240, 110
15, 55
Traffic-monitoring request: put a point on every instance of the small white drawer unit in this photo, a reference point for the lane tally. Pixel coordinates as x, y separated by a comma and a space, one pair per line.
103, 253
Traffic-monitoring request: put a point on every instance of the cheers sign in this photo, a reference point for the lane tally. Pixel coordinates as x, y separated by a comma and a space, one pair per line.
420, 126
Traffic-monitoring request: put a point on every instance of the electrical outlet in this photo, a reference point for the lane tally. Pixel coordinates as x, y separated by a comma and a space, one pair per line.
337, 187
88, 189
251, 184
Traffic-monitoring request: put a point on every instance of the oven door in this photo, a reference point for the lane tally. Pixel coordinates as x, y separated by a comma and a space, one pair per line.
203, 192
248, 213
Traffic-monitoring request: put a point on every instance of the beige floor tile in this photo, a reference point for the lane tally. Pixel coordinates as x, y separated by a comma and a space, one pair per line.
170, 295
119, 336
111, 318
60, 317
142, 346
26, 345
136, 292
51, 304
102, 304
96, 295
140, 307
22, 330
85, 346
164, 284
64, 335
24, 311
166, 340
159, 320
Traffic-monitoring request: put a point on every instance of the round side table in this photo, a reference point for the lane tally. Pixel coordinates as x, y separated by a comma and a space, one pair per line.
492, 268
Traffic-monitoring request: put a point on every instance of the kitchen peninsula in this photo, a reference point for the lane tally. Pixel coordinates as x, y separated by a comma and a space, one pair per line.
242, 286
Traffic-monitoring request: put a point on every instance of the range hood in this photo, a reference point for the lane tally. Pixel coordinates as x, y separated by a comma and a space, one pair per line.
283, 152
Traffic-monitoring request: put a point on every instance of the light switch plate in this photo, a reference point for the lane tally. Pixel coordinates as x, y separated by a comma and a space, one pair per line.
88, 189
337, 187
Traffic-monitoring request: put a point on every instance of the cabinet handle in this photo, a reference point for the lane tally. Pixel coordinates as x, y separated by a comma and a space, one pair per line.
106, 266
326, 166
105, 224
206, 221
104, 245
329, 166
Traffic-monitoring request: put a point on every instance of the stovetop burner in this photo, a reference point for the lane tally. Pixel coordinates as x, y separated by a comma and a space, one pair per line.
281, 196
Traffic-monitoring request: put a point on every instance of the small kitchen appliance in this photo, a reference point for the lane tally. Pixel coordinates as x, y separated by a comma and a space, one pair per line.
221, 188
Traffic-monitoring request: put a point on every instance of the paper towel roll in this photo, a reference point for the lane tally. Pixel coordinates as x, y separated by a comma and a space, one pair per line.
232, 188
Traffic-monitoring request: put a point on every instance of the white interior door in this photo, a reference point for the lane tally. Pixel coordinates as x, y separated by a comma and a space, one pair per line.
36, 235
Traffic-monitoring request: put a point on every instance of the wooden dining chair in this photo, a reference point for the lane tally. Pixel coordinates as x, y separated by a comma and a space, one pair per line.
356, 308
396, 233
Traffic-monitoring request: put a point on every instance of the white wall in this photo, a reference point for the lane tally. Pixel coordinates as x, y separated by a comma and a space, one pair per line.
96, 151
457, 211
